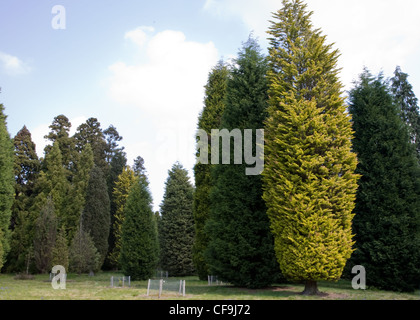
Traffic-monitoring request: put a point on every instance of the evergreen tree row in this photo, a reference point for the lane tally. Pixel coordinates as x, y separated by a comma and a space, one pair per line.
81, 206
340, 182
66, 194
340, 185
240, 247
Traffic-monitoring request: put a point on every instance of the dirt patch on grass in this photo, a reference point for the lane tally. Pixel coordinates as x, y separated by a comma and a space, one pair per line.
336, 296
284, 288
291, 290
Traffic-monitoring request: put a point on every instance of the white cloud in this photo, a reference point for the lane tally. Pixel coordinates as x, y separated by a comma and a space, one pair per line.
167, 90
255, 14
171, 80
12, 65
139, 35
378, 34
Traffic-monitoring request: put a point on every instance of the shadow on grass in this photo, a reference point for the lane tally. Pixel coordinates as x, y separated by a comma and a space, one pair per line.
290, 291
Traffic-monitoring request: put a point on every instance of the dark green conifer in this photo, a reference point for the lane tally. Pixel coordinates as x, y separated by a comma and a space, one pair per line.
241, 246
6, 186
95, 216
139, 239
407, 103
176, 229
83, 255
45, 236
60, 251
27, 167
210, 117
386, 222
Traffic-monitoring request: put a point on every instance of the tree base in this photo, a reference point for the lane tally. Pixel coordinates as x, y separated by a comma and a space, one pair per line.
311, 289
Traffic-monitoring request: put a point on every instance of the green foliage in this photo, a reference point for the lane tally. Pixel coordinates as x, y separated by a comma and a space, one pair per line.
91, 133
241, 248
214, 104
78, 190
387, 204
96, 214
60, 133
407, 103
83, 255
122, 188
60, 251
6, 186
138, 166
139, 240
52, 182
45, 236
118, 162
112, 138
309, 180
27, 166
21, 241
176, 229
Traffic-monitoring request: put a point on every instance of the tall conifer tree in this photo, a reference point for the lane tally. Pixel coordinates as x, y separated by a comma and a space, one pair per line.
387, 209
176, 229
95, 216
210, 118
118, 163
241, 246
83, 255
6, 186
60, 251
45, 236
309, 180
78, 190
52, 182
122, 189
139, 239
27, 167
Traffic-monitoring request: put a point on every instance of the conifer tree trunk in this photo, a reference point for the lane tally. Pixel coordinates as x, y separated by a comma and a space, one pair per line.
311, 288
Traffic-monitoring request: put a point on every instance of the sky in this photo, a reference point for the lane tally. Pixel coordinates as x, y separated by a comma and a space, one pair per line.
141, 66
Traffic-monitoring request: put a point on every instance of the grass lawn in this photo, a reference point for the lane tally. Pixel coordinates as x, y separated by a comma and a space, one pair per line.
98, 287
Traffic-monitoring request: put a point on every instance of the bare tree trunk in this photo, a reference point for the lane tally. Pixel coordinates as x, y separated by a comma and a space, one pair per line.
311, 288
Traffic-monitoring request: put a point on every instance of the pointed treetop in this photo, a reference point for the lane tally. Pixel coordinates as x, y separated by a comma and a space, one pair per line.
294, 22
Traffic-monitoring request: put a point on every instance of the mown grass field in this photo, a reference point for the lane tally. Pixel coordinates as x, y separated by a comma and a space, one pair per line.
98, 287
